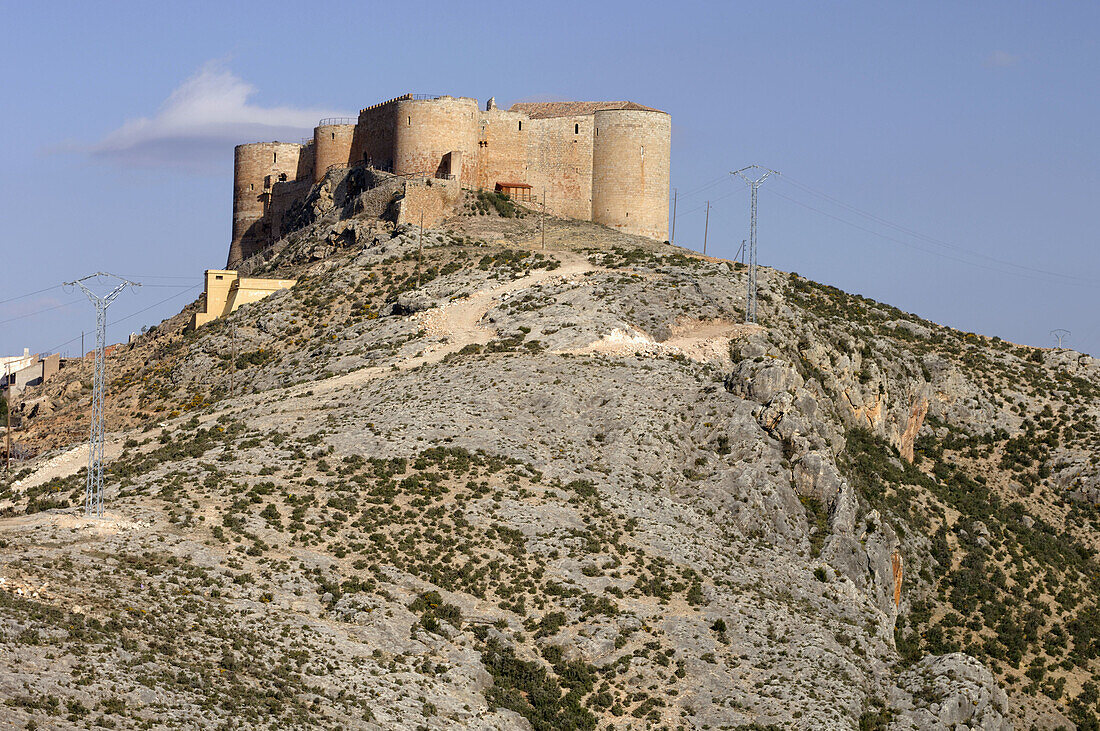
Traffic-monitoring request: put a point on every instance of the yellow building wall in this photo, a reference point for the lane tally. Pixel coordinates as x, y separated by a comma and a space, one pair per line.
226, 291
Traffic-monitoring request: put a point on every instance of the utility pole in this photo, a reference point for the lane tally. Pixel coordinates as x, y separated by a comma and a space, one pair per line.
1059, 334
672, 236
706, 225
93, 493
7, 420
754, 184
420, 250
232, 355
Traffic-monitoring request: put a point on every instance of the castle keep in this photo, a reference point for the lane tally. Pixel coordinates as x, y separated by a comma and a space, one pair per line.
606, 162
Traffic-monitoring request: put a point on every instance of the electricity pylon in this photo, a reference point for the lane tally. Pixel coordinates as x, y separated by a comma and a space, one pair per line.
93, 493
750, 294
1059, 334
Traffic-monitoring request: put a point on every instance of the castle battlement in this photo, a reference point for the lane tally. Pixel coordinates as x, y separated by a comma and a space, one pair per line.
403, 97
606, 162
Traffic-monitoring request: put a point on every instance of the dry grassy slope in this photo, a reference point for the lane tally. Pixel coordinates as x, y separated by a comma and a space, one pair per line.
502, 487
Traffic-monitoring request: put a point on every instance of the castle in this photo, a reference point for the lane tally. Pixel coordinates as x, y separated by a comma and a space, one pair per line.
606, 162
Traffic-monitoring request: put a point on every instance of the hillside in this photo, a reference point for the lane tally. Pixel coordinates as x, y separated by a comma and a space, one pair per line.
494, 486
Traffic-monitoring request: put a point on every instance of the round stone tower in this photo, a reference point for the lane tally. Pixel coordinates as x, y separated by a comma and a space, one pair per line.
630, 171
256, 167
332, 145
426, 131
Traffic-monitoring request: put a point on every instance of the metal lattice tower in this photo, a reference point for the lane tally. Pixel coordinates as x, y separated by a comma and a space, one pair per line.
1059, 334
754, 184
93, 493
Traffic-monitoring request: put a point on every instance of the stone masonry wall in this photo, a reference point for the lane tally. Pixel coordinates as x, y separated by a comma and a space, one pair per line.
435, 199
559, 162
630, 171
428, 129
332, 144
610, 166
503, 140
256, 168
374, 135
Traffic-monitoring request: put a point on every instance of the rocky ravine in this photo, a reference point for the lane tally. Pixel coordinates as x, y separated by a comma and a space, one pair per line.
497, 487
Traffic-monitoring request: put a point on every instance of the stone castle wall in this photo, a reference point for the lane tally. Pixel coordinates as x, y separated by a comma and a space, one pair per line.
503, 140
428, 201
560, 163
257, 168
332, 145
630, 171
374, 135
592, 161
428, 129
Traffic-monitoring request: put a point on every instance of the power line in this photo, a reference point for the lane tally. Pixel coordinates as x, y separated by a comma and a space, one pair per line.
933, 240
170, 286
127, 317
158, 276
29, 294
155, 304
704, 186
39, 312
703, 205
933, 252
73, 302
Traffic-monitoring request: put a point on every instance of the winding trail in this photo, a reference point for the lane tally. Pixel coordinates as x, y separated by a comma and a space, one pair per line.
458, 322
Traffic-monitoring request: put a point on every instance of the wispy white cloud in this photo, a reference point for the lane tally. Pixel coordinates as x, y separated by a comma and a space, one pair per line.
1001, 60
199, 123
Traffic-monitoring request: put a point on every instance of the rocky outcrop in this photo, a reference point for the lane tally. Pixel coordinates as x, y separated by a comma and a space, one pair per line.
949, 692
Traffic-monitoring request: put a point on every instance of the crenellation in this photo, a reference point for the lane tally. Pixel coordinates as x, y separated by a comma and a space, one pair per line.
606, 162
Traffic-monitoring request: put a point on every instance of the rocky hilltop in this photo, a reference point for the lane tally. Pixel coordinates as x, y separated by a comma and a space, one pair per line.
462, 481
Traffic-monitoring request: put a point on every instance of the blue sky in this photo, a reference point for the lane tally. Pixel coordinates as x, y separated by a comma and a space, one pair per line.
938, 156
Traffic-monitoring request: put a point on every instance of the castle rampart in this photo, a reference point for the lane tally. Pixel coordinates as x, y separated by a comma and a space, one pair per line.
606, 162
332, 144
428, 130
630, 171
257, 168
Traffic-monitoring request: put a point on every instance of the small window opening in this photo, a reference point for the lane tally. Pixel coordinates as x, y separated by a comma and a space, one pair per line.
274, 157
252, 186
409, 121
576, 129
217, 276
597, 131
521, 126
333, 135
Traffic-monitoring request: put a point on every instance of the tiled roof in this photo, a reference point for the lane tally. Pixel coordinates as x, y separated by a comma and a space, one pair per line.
545, 110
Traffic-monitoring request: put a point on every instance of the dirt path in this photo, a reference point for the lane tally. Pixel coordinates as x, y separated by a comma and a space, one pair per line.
69, 462
458, 322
